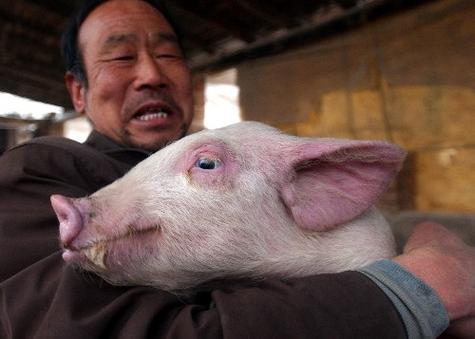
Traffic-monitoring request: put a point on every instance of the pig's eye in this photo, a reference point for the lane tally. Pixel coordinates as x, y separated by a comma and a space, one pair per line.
207, 163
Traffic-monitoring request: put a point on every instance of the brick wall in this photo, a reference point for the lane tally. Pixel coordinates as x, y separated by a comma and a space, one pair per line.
409, 78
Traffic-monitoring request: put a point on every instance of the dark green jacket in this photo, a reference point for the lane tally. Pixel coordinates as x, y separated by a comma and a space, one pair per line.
42, 297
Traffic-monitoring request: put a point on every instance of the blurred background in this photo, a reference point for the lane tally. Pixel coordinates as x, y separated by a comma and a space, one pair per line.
402, 71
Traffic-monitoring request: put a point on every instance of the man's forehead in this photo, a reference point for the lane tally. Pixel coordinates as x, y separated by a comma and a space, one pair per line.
117, 38
120, 21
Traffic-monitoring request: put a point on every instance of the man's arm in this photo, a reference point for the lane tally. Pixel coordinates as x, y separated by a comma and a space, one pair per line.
42, 297
445, 263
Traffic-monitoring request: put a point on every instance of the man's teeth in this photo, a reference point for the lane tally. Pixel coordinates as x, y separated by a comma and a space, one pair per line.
151, 116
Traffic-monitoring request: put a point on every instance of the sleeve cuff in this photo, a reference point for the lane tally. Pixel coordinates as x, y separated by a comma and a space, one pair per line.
421, 310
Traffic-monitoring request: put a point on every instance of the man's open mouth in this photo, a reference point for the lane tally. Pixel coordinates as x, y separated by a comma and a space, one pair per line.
152, 112
151, 116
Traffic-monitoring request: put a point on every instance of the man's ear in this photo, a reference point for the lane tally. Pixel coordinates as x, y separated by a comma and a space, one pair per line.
77, 91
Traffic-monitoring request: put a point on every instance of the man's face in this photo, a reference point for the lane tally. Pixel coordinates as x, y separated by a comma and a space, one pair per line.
138, 91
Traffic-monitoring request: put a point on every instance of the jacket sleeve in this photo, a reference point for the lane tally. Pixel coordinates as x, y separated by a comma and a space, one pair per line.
41, 297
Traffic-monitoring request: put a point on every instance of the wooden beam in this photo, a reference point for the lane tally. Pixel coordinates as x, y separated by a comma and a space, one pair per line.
195, 40
32, 84
213, 18
305, 34
270, 13
261, 11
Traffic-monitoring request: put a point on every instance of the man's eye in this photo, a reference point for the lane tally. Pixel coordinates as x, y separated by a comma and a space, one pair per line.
123, 58
207, 163
119, 57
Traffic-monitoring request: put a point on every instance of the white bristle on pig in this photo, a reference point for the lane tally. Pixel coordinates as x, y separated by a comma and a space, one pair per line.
244, 201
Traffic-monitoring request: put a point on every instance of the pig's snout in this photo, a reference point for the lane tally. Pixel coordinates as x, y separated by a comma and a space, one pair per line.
70, 219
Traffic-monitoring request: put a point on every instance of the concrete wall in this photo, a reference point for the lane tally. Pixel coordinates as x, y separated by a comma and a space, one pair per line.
199, 83
409, 78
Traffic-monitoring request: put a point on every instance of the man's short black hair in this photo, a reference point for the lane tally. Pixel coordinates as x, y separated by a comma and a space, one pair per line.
72, 56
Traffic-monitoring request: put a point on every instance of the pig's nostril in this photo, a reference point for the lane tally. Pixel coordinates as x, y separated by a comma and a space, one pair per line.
69, 217
62, 217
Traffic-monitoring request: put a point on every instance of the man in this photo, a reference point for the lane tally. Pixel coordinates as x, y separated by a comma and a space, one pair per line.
127, 73
137, 87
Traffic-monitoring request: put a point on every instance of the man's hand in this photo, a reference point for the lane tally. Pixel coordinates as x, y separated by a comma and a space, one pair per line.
447, 264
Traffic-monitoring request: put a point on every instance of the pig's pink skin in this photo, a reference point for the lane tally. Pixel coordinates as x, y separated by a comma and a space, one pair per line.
277, 206
338, 180
78, 231
219, 177
80, 225
70, 219
73, 256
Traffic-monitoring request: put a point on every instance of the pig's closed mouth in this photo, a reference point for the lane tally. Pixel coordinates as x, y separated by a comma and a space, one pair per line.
96, 252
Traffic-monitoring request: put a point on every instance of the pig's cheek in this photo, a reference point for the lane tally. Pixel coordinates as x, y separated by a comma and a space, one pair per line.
214, 179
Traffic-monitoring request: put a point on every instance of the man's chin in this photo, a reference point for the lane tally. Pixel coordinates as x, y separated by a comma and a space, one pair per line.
153, 144
153, 140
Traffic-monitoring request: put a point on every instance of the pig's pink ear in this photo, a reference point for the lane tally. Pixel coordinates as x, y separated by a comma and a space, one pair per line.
334, 181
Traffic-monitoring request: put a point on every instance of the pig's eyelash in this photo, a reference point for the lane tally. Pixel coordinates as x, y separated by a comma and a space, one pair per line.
206, 163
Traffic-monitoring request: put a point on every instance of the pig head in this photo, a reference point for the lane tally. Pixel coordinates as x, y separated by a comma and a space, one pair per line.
244, 201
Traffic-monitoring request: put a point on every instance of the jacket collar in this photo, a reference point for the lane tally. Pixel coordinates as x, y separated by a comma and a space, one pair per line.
119, 152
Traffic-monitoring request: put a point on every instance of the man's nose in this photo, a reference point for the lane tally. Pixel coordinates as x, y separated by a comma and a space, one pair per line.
149, 74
